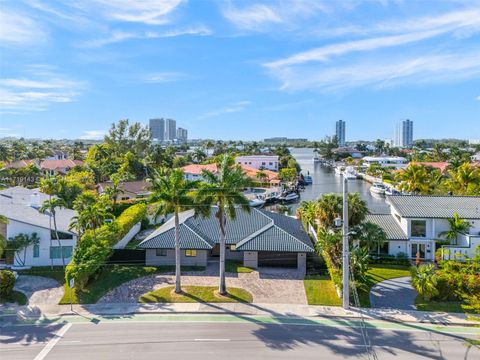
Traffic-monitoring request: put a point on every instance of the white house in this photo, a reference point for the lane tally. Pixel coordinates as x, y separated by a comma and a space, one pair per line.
21, 207
57, 155
260, 162
476, 157
415, 222
397, 162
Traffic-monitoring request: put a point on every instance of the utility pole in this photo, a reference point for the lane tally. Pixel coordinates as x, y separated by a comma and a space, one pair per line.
346, 257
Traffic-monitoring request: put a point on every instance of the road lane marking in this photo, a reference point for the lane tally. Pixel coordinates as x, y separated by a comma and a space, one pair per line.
53, 341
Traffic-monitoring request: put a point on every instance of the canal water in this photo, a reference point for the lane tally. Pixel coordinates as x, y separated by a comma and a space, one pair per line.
326, 181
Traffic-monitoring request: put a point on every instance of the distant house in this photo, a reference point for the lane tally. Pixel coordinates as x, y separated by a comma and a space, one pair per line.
50, 167
415, 223
194, 172
21, 207
258, 239
476, 157
259, 162
397, 162
129, 189
57, 155
440, 165
348, 151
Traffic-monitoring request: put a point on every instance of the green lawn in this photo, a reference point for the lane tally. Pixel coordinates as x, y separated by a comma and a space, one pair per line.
15, 297
321, 291
443, 306
236, 267
203, 294
378, 273
55, 273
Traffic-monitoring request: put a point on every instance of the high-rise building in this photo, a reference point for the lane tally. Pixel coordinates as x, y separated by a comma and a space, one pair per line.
182, 134
340, 132
157, 129
404, 133
170, 129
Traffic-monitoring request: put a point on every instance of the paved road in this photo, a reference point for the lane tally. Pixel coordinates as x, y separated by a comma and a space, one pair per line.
232, 337
395, 293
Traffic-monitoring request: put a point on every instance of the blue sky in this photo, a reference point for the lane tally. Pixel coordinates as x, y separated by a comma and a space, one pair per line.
240, 69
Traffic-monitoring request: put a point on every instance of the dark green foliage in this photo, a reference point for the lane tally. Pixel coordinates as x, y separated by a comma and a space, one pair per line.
7, 282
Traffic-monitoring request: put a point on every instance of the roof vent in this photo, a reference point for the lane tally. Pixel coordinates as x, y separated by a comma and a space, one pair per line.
35, 200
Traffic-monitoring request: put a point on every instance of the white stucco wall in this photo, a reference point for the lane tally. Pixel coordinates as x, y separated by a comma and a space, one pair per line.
129, 236
250, 259
153, 260
15, 228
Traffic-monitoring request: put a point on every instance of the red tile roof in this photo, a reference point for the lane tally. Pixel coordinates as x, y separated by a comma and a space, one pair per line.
250, 171
440, 165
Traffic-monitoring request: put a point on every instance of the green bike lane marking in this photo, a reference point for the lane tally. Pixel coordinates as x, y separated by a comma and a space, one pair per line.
252, 319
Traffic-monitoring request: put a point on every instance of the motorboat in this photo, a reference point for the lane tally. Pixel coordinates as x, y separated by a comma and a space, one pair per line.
307, 180
290, 197
339, 170
349, 173
378, 188
392, 191
256, 202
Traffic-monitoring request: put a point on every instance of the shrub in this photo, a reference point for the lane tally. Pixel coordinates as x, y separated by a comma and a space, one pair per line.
7, 282
424, 280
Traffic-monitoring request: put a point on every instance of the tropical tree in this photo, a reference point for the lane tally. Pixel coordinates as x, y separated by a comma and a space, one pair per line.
224, 190
306, 212
20, 243
50, 206
91, 213
417, 179
199, 155
369, 235
330, 206
171, 193
3, 239
457, 226
113, 190
464, 180
424, 280
359, 260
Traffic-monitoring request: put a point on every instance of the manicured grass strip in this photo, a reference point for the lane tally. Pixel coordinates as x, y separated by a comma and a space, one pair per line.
320, 290
236, 267
112, 276
443, 306
15, 297
55, 272
376, 274
192, 294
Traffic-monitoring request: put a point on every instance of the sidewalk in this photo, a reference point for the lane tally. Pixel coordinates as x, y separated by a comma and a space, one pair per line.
273, 310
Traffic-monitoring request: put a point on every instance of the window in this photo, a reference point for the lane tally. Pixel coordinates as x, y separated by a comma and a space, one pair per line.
270, 163
61, 235
418, 228
161, 252
190, 253
36, 250
55, 252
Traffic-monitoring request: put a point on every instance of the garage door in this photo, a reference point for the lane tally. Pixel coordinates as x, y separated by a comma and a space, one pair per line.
277, 259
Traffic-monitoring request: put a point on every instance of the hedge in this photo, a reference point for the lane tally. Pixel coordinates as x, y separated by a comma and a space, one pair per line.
93, 250
7, 282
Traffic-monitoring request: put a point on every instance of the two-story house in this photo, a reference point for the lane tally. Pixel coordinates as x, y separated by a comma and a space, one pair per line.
415, 223
21, 208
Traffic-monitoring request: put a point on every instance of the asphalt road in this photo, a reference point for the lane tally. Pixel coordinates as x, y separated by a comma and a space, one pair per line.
202, 338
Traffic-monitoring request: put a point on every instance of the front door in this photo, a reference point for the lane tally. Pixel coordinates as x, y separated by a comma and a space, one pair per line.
418, 248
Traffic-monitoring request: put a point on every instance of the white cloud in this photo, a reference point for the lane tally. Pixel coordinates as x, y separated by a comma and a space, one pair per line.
163, 77
119, 36
478, 97
17, 28
93, 135
232, 108
37, 91
151, 12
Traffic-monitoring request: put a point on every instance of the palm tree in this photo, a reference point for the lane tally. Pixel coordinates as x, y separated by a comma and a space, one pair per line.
173, 194
114, 190
3, 239
464, 180
91, 213
224, 190
50, 206
457, 226
369, 235
417, 179
329, 207
199, 155
424, 280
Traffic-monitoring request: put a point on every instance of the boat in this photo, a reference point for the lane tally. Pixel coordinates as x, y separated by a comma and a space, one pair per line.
378, 188
392, 191
290, 197
307, 180
349, 173
256, 202
339, 170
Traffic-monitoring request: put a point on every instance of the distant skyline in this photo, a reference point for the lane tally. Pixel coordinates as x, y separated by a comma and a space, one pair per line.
241, 70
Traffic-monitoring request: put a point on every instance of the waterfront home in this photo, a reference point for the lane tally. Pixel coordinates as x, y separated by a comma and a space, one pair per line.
129, 190
440, 165
259, 162
257, 238
194, 172
415, 223
396, 162
21, 208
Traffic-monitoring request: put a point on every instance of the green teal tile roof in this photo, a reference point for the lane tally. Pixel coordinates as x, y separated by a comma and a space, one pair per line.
389, 225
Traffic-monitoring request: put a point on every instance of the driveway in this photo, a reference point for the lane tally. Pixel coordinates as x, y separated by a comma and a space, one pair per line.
394, 293
39, 289
282, 286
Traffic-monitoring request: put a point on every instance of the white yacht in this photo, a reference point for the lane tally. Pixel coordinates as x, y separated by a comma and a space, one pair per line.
349, 173
339, 170
256, 202
378, 188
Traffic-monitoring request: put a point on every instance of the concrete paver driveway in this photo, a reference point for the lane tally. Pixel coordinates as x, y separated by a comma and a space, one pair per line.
281, 286
39, 289
394, 293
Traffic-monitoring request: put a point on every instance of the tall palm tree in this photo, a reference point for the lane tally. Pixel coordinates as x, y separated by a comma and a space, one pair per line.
50, 206
173, 194
457, 226
330, 206
224, 190
424, 280
417, 179
91, 213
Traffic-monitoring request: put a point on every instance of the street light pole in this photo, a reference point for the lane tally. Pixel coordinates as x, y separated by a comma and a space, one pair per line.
346, 261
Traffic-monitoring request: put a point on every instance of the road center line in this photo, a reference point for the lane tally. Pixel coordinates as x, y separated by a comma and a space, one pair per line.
53, 341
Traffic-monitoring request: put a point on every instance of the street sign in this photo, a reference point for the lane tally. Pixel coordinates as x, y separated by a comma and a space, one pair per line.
72, 283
